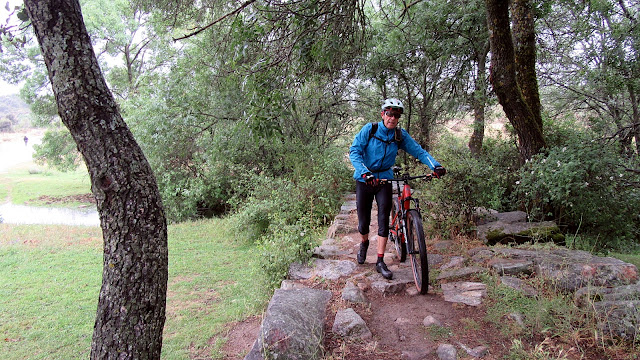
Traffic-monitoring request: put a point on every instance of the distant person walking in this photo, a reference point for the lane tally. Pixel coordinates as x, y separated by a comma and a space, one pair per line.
26, 140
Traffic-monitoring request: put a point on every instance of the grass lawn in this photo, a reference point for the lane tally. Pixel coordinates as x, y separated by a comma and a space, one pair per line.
50, 277
24, 186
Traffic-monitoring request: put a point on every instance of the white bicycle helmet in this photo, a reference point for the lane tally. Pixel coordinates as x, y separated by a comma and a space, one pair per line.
394, 104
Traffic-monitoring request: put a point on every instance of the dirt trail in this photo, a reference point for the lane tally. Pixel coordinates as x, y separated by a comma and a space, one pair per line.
396, 321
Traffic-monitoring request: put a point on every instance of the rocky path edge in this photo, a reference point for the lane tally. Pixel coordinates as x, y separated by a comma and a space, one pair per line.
292, 326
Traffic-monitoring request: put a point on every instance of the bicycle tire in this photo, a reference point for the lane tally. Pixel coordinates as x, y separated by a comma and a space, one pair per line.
397, 235
418, 251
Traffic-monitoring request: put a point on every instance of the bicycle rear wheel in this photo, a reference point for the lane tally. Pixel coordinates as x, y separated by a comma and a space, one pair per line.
396, 234
418, 251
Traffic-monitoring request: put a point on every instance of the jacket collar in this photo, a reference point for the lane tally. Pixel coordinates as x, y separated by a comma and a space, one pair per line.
384, 129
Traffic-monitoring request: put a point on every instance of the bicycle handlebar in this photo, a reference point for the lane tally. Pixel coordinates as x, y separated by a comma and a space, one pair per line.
407, 177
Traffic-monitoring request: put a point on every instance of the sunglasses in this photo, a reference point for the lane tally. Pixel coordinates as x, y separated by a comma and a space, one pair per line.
393, 114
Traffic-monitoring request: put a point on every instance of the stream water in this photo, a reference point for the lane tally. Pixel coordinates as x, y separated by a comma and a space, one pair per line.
20, 214
14, 151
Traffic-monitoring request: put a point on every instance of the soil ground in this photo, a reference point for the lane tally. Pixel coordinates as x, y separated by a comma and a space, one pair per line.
396, 321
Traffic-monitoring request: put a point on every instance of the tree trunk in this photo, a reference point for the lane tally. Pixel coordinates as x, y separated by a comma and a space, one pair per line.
505, 84
479, 102
132, 300
524, 37
635, 119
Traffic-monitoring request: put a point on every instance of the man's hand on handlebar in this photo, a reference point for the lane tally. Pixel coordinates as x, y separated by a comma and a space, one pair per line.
369, 179
439, 171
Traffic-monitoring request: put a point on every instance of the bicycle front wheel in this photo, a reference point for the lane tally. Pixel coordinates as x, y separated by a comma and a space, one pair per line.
396, 233
418, 251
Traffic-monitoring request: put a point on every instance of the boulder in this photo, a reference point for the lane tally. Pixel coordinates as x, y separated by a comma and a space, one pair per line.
569, 270
500, 232
353, 293
616, 309
447, 352
349, 324
293, 326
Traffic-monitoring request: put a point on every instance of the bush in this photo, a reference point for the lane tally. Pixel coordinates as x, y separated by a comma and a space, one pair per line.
284, 245
583, 186
283, 214
5, 125
471, 182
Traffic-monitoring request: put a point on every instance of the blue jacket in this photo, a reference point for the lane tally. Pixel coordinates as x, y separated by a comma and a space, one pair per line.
377, 157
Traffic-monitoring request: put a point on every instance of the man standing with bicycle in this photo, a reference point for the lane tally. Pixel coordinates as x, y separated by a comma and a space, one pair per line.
373, 154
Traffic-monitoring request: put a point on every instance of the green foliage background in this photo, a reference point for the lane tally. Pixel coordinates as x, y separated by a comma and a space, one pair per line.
252, 118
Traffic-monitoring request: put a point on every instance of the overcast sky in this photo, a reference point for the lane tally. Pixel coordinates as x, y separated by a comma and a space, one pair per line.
5, 88
8, 89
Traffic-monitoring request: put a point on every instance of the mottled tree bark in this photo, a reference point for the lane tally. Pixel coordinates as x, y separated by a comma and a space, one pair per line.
524, 38
505, 83
132, 300
479, 102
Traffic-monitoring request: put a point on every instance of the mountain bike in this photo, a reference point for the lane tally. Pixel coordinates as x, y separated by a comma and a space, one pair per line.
406, 231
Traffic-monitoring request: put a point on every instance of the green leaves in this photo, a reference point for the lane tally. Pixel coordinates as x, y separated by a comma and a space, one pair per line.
581, 184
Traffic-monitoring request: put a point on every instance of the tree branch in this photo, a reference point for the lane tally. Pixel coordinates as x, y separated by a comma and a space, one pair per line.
234, 12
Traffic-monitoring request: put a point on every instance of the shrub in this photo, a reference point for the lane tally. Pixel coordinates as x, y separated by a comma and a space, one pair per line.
583, 186
282, 214
471, 182
285, 244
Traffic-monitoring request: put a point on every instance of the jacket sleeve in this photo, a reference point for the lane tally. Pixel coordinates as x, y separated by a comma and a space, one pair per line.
414, 149
356, 151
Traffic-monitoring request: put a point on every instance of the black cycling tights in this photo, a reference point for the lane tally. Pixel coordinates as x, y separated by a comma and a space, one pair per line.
364, 201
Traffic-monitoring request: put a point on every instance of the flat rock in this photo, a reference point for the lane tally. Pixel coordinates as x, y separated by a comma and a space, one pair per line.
619, 319
443, 245
586, 296
511, 266
433, 259
569, 270
470, 293
454, 262
402, 278
328, 251
326, 269
511, 217
333, 269
340, 227
518, 284
348, 207
291, 284
298, 271
460, 273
